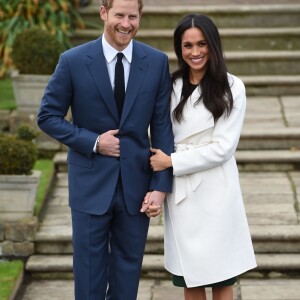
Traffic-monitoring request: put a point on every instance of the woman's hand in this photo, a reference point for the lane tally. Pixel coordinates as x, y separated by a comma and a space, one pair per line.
153, 203
160, 161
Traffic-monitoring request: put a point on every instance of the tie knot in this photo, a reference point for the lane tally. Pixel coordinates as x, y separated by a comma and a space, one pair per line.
120, 56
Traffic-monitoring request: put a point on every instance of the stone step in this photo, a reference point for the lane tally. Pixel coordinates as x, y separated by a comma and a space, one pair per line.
225, 16
265, 138
254, 160
58, 240
60, 266
266, 239
268, 265
253, 63
233, 39
264, 160
241, 62
272, 85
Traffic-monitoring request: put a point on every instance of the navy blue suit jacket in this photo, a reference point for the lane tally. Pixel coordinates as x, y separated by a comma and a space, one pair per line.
81, 81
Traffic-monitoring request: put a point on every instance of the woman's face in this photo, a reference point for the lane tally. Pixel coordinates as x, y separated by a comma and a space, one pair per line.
195, 51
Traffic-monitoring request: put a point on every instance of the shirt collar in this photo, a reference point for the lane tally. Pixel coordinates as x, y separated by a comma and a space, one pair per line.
110, 52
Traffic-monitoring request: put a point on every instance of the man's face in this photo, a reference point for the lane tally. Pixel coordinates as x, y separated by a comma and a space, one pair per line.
121, 22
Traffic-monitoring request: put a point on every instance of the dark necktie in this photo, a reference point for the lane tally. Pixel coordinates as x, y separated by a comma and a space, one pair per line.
119, 83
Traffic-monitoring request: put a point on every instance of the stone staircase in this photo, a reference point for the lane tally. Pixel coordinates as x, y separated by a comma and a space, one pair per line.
272, 206
262, 46
261, 42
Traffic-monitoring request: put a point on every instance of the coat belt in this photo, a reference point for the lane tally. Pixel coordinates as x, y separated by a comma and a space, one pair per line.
194, 179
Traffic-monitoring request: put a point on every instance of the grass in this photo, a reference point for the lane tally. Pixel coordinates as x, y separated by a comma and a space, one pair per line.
9, 274
7, 99
46, 166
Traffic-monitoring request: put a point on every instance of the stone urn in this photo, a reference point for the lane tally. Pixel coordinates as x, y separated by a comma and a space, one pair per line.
35, 54
28, 91
17, 195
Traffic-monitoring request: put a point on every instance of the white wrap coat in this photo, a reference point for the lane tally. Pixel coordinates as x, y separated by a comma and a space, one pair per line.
207, 237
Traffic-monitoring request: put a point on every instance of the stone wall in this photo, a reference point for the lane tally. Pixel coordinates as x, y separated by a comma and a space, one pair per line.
17, 238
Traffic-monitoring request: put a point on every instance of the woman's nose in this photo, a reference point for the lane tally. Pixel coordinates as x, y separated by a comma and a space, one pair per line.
195, 50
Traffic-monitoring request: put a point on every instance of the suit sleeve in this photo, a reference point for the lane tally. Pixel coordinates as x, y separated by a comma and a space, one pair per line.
54, 106
161, 130
225, 138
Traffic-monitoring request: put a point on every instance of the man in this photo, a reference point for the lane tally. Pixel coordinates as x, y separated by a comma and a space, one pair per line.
109, 149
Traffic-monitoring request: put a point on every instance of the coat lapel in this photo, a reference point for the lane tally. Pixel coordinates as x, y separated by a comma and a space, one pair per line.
196, 118
98, 69
137, 74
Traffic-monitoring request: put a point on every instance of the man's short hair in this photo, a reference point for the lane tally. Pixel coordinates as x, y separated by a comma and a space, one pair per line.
109, 3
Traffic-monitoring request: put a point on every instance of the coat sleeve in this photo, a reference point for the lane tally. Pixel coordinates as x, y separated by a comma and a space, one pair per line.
54, 106
225, 138
161, 130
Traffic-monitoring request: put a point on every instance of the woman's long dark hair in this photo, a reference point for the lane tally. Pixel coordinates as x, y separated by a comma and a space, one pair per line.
215, 89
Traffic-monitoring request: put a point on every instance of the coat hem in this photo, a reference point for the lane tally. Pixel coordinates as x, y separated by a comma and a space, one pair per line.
228, 276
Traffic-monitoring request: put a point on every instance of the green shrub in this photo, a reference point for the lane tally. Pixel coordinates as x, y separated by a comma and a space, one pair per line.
36, 51
26, 133
18, 155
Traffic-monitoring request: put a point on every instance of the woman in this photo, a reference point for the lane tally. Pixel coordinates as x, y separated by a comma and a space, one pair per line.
207, 239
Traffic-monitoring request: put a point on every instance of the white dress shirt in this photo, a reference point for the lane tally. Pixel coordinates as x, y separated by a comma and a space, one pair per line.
110, 54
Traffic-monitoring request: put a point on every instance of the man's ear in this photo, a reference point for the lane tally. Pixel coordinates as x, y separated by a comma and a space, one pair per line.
103, 13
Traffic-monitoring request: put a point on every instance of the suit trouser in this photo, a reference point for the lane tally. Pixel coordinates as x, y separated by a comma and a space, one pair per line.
108, 251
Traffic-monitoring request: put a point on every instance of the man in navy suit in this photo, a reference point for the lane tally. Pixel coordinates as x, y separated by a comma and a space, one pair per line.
108, 157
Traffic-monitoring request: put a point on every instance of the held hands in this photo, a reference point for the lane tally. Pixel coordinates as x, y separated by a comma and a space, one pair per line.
160, 161
109, 145
153, 202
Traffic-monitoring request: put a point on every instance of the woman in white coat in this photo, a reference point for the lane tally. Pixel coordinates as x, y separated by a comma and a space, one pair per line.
207, 238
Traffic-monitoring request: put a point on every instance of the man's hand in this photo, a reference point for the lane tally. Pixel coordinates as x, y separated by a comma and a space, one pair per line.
153, 203
109, 145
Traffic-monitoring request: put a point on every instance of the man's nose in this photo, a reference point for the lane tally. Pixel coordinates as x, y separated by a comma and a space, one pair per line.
125, 22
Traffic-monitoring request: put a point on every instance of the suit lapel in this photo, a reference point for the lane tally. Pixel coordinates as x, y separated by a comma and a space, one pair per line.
137, 74
98, 69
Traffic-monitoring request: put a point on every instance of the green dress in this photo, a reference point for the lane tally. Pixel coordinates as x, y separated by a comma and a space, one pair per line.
180, 282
